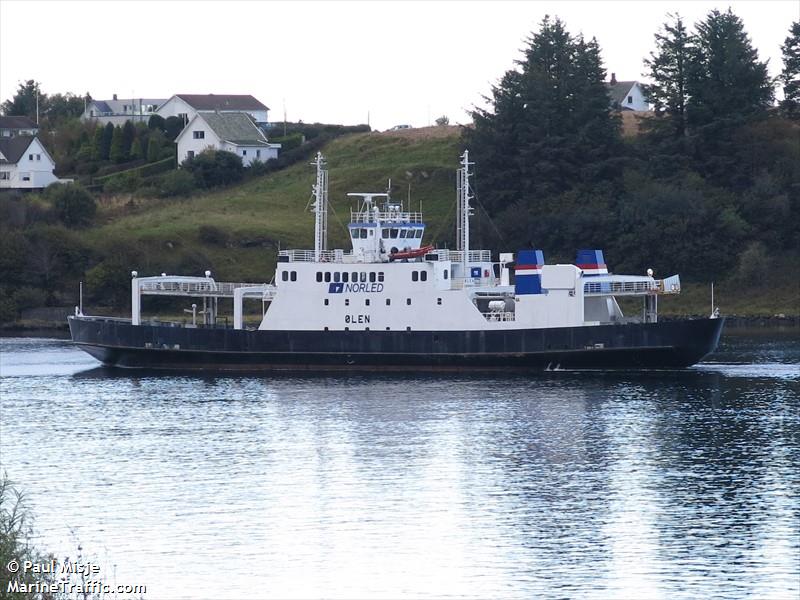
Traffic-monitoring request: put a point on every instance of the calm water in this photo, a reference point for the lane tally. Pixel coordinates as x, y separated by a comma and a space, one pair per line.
656, 485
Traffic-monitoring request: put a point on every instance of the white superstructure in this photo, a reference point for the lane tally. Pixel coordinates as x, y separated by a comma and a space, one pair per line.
391, 281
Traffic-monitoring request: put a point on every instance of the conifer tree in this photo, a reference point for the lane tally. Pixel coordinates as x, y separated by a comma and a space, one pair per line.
548, 127
668, 68
726, 81
790, 76
105, 146
136, 149
97, 143
128, 133
117, 153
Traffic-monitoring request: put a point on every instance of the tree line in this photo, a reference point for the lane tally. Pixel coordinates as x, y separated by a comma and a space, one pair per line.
707, 188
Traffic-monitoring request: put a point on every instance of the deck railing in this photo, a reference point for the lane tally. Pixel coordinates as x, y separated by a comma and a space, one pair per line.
220, 289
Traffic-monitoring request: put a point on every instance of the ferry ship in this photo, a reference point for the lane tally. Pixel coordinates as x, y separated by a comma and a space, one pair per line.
394, 302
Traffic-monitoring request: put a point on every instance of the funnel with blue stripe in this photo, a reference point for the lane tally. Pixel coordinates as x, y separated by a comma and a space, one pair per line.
528, 272
591, 262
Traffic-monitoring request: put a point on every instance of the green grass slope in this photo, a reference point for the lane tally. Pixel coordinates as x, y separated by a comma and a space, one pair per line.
272, 211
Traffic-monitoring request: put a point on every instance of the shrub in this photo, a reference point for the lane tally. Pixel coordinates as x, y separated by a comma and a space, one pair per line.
74, 206
754, 264
174, 183
156, 122
215, 167
172, 127
124, 182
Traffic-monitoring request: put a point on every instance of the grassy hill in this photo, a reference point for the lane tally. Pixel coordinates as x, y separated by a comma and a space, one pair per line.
259, 216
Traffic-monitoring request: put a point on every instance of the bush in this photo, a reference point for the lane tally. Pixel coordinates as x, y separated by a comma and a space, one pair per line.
74, 206
172, 127
124, 182
156, 122
174, 183
215, 167
754, 264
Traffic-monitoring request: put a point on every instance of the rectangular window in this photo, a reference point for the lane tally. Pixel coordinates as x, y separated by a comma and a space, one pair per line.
408, 301
419, 233
26, 176
395, 232
284, 275
30, 156
38, 157
363, 278
199, 135
445, 273
327, 277
319, 276
402, 233
258, 153
326, 302
336, 277
380, 276
5, 175
630, 99
244, 152
190, 154
372, 276
439, 301
423, 276
294, 276
366, 302
388, 302
414, 275
355, 277
124, 108
385, 233
347, 301
345, 277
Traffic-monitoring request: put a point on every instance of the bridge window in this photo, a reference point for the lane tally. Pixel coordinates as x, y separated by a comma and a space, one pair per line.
319, 276
371, 232
419, 233
294, 276
372, 276
402, 233
423, 276
385, 233
327, 277
284, 275
356, 233
414, 276
336, 277
395, 232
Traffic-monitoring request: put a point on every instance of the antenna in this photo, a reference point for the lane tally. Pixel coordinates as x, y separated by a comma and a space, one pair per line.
320, 190
464, 211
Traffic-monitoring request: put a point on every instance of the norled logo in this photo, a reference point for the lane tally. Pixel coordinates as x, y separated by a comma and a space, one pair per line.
338, 288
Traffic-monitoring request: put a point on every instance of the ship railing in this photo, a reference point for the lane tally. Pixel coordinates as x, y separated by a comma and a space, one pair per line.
641, 287
385, 217
499, 316
221, 289
309, 256
474, 256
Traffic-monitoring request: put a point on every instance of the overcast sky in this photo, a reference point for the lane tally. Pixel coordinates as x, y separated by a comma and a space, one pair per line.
338, 62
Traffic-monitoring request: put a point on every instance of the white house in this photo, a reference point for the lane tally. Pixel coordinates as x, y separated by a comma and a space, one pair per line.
118, 111
626, 95
13, 126
187, 106
24, 163
230, 131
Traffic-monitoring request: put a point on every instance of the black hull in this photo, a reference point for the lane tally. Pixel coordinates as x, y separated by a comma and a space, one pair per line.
665, 345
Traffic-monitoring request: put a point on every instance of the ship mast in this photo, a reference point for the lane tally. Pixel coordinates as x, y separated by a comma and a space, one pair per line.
320, 189
464, 211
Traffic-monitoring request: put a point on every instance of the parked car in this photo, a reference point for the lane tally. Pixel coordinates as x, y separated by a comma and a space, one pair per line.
399, 127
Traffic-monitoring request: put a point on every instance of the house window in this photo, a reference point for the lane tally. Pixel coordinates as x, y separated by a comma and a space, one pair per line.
25, 176
124, 108
91, 113
244, 152
38, 157
30, 156
199, 135
183, 117
258, 153
5, 175
190, 154
630, 99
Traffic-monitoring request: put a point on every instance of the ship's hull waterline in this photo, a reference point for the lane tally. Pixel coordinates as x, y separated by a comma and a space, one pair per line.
665, 345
